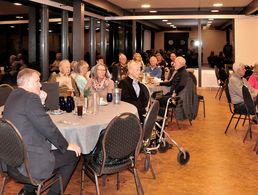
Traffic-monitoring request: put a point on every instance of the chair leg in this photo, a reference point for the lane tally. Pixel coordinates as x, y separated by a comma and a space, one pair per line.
96, 183
39, 189
229, 123
147, 164
255, 146
137, 182
203, 108
222, 89
249, 130
217, 91
61, 185
3, 184
82, 178
244, 120
152, 171
117, 181
237, 121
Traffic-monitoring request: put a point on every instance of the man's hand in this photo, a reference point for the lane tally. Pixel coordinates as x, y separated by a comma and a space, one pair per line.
75, 148
43, 96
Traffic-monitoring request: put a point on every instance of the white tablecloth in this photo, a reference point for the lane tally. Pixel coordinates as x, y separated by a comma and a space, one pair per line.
85, 130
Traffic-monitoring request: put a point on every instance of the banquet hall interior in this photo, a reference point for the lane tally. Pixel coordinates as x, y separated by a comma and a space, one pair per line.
219, 163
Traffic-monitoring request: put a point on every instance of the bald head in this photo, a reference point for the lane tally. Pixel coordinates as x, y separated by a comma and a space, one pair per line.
179, 62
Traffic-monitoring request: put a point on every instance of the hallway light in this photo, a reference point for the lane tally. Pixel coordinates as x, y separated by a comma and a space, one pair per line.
145, 6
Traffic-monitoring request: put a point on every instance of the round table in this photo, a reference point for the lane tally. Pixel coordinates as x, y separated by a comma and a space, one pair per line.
85, 130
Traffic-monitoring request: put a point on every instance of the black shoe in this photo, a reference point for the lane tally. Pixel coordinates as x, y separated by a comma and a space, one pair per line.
163, 149
24, 192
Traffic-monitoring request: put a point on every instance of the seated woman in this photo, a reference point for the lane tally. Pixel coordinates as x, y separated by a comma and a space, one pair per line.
253, 79
81, 76
100, 83
66, 82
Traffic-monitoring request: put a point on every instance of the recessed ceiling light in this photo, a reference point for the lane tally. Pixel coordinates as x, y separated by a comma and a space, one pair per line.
217, 4
59, 23
214, 10
17, 3
11, 26
209, 22
19, 17
145, 6
210, 19
169, 23
174, 26
164, 20
153, 11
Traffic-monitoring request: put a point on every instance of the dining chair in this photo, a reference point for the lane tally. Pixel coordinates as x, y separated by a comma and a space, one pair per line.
148, 127
5, 90
13, 154
235, 114
221, 84
147, 94
251, 110
116, 150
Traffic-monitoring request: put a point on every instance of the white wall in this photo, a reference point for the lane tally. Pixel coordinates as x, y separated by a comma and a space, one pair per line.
147, 40
246, 40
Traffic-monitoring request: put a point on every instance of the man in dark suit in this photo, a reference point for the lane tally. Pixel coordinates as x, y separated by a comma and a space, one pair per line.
119, 71
133, 90
24, 108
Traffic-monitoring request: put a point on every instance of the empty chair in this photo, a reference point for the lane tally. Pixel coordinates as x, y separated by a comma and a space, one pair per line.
250, 108
13, 154
220, 82
148, 126
117, 150
5, 90
236, 114
52, 90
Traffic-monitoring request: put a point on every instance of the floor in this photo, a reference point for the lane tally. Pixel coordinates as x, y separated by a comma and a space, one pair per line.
219, 164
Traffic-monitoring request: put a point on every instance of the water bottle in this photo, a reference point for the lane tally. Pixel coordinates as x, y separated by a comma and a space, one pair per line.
62, 103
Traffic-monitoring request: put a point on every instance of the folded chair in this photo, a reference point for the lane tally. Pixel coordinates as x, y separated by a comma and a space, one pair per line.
117, 150
13, 154
148, 126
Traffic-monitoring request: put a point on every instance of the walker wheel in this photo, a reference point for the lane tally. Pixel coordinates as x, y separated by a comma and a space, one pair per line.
181, 159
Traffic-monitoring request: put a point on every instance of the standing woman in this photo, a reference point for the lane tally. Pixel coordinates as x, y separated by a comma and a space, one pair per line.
100, 83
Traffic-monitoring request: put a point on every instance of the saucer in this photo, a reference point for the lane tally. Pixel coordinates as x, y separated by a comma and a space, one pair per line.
57, 112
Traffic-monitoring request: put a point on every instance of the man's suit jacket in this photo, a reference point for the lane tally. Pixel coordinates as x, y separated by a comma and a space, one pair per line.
25, 111
178, 82
129, 95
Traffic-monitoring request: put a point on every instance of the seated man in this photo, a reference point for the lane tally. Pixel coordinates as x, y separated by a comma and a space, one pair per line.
66, 82
153, 69
178, 82
132, 89
236, 82
119, 70
24, 108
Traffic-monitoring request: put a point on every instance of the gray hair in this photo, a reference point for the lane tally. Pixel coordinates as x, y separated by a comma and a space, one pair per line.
237, 66
24, 76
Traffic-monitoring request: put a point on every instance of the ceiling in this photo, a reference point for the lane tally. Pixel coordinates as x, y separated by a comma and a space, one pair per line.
163, 7
185, 7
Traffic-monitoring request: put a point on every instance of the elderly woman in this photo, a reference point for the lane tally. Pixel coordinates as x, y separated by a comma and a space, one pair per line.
253, 79
81, 76
100, 83
66, 82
